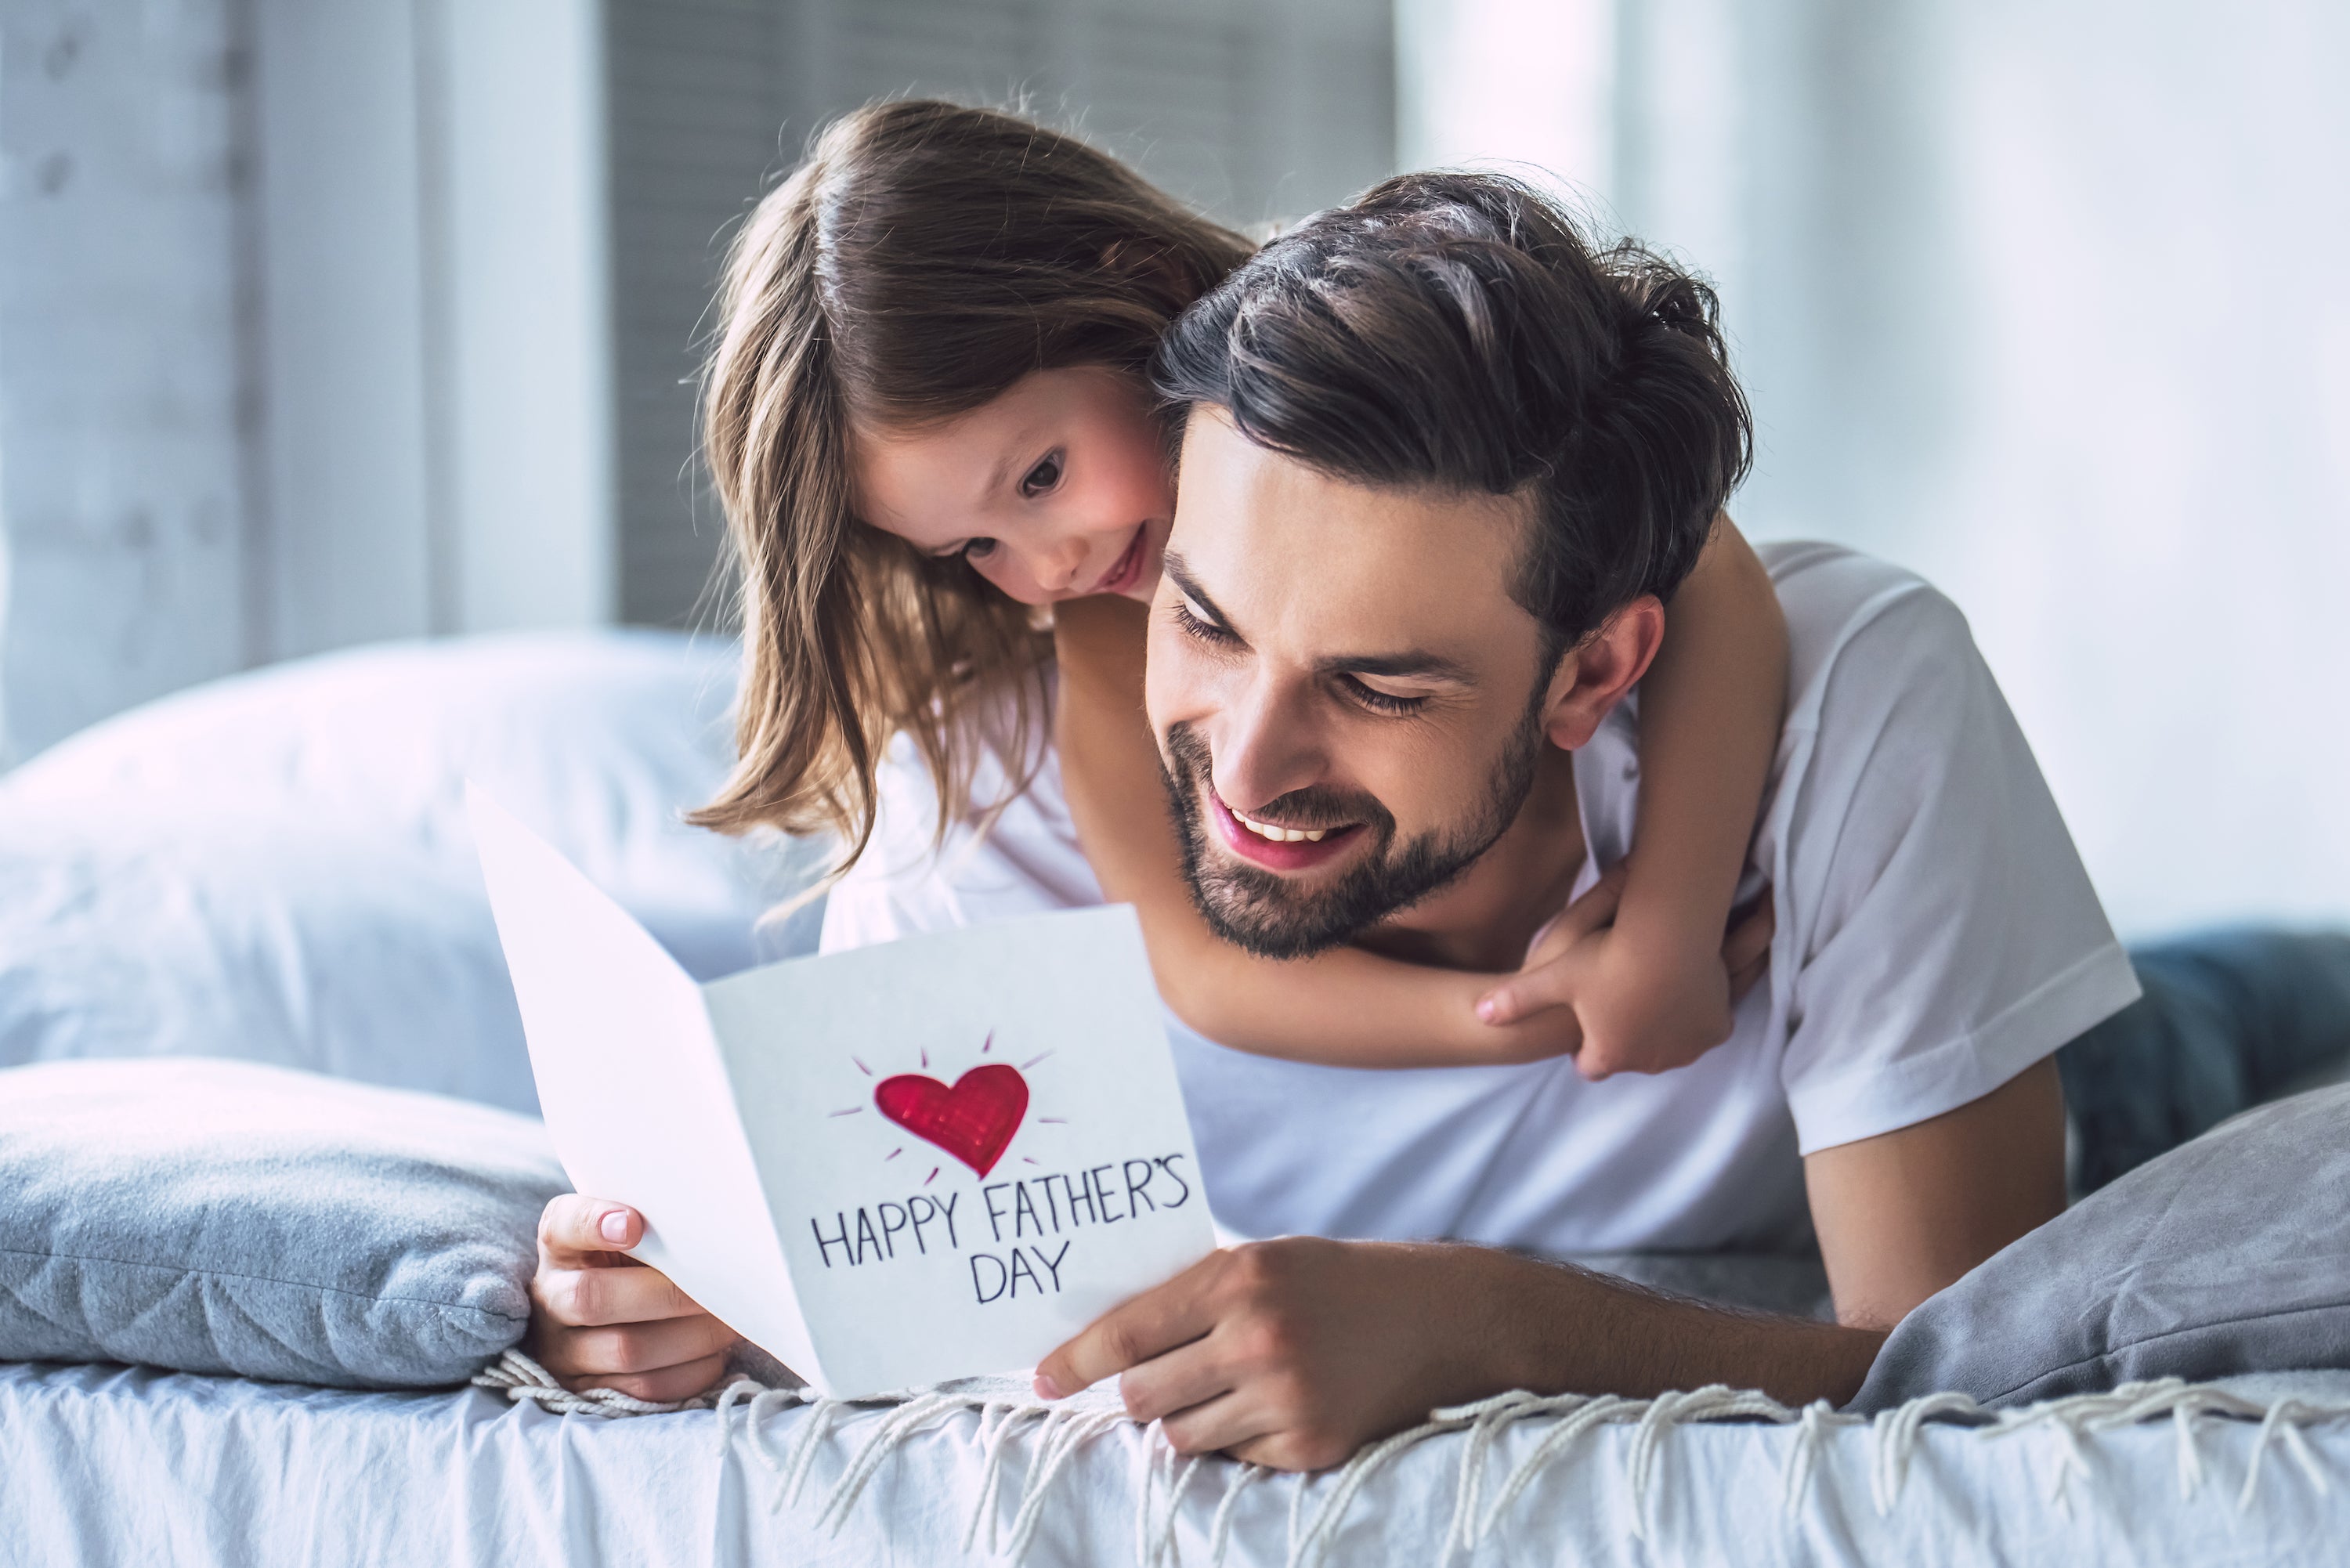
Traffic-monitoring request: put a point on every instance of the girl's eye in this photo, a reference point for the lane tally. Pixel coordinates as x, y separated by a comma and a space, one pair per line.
1379, 701
1042, 478
978, 550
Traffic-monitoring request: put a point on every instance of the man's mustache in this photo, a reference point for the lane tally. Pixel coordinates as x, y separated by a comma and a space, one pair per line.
1314, 806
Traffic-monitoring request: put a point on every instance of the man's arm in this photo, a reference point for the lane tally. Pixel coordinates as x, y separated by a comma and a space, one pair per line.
1904, 1213
1293, 1352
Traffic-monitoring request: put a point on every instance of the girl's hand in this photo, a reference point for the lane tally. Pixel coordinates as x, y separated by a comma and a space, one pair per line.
1633, 1009
599, 1319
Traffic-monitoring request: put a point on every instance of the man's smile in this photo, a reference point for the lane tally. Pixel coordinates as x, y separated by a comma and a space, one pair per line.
1277, 848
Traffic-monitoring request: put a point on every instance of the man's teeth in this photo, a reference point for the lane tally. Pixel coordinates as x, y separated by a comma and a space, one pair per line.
1280, 834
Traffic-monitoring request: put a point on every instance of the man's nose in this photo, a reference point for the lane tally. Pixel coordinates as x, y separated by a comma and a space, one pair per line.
1268, 747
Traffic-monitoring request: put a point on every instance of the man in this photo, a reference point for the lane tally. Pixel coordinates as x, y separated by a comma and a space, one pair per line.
1425, 445
1372, 492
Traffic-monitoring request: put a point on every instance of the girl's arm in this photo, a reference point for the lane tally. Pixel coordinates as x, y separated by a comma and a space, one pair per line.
1342, 1008
1652, 990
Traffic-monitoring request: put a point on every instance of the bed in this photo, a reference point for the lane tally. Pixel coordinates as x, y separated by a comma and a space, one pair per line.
104, 1464
273, 867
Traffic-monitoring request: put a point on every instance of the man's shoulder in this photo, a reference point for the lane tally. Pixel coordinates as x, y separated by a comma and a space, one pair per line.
1939, 933
1857, 621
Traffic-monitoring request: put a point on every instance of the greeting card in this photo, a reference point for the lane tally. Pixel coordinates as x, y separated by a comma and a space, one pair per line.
926, 1160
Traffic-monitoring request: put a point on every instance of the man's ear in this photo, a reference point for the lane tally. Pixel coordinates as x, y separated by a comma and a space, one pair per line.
1597, 672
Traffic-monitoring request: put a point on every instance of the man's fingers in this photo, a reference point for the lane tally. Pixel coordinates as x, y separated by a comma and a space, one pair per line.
1288, 1450
1248, 1426
604, 1321
634, 1349
671, 1383
590, 1297
573, 1229
1189, 1375
1221, 1423
1133, 1332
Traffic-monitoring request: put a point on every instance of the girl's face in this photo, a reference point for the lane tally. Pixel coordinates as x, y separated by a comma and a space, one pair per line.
1056, 489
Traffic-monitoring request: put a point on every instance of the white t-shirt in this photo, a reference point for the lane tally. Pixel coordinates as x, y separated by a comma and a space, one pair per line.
1936, 934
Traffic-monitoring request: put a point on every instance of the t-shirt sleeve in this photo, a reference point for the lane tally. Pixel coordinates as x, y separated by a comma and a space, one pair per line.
1017, 857
859, 911
1947, 936
900, 885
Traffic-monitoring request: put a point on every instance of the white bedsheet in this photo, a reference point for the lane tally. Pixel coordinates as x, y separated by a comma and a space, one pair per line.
106, 1465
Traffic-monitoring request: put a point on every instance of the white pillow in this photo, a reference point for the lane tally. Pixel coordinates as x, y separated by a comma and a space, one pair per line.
277, 867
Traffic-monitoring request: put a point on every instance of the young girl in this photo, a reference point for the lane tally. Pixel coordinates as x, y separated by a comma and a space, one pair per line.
929, 420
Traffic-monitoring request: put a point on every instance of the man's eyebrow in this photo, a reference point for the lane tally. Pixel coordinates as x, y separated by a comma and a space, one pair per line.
1173, 564
1413, 665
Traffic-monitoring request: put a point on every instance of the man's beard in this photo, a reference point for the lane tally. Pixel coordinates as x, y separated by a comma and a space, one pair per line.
1274, 917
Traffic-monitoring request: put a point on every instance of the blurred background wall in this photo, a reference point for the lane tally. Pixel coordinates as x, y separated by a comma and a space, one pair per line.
324, 321
2050, 301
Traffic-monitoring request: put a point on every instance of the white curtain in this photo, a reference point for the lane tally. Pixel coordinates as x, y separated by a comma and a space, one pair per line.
2050, 301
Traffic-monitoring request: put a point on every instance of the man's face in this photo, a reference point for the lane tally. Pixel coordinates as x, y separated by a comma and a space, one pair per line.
1348, 702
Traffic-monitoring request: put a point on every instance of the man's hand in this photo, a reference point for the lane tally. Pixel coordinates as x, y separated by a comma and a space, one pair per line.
1295, 1353
599, 1319
1291, 1353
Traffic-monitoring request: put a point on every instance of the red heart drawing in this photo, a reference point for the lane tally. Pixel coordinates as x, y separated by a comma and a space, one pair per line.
972, 1121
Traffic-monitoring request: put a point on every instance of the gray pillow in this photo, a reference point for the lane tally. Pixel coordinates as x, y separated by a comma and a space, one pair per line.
212, 1216
2228, 1254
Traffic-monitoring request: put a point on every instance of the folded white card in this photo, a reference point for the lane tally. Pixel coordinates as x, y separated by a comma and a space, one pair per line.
922, 1160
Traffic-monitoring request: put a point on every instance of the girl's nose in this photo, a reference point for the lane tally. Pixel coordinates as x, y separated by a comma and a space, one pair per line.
1057, 568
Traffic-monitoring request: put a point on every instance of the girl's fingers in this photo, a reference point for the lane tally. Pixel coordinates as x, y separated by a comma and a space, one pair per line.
575, 1230
1529, 992
1549, 978
1587, 914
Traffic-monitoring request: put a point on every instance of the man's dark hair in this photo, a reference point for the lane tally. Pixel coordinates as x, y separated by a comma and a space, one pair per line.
1455, 331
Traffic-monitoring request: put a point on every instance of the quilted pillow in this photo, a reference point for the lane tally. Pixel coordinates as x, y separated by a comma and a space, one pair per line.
229, 1217
2229, 1254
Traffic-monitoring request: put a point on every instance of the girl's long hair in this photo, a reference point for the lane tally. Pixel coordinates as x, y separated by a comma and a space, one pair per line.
924, 258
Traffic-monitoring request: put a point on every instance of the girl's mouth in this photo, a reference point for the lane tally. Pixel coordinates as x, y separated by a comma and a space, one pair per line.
1127, 570
1279, 848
